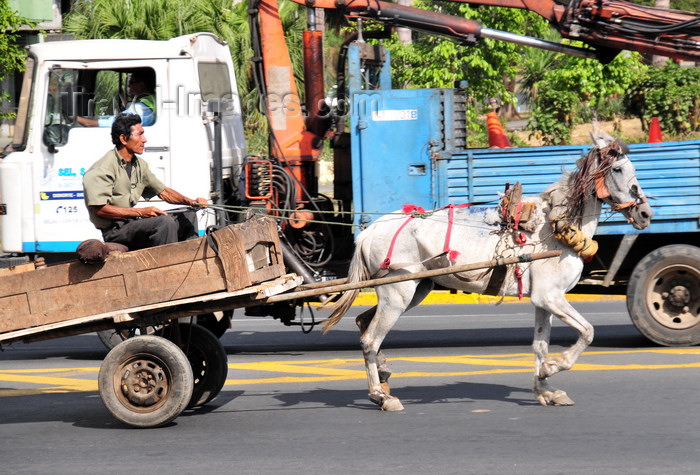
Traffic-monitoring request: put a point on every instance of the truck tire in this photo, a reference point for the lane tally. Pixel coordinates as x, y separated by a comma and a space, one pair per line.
145, 381
207, 359
663, 295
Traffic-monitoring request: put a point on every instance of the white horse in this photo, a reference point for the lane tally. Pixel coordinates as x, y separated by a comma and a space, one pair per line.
569, 209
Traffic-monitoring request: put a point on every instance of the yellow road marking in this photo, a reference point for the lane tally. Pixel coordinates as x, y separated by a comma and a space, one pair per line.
369, 298
62, 380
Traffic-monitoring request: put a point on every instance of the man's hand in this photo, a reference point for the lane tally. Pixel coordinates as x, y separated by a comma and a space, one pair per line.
117, 212
200, 203
150, 212
176, 198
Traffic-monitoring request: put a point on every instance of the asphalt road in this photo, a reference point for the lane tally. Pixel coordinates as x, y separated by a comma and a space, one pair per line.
297, 403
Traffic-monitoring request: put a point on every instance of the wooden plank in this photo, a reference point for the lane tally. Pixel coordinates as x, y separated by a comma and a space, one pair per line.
264, 242
17, 269
229, 243
148, 276
14, 304
253, 252
260, 291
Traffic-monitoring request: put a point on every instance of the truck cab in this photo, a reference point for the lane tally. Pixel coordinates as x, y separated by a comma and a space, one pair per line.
41, 193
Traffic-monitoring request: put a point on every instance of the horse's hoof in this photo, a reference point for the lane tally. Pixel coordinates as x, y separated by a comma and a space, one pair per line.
392, 404
554, 398
542, 400
378, 399
561, 399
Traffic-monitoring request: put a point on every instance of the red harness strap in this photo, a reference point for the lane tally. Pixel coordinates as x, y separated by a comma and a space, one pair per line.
414, 210
519, 277
418, 211
450, 221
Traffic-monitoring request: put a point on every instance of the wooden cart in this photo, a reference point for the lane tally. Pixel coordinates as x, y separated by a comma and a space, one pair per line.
147, 381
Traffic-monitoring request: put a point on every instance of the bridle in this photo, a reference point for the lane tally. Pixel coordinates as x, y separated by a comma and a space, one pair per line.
608, 156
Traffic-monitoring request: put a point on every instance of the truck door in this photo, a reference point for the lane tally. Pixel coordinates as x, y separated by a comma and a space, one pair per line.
81, 100
394, 133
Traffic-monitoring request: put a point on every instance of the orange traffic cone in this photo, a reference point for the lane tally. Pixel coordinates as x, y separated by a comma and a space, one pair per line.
497, 136
655, 131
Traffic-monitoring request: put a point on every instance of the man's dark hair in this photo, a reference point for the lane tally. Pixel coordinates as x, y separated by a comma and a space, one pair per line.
146, 75
122, 126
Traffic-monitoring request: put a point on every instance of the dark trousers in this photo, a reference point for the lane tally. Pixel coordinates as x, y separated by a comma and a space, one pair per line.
140, 233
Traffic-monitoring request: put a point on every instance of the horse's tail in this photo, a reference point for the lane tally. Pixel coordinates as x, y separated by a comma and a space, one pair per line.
358, 271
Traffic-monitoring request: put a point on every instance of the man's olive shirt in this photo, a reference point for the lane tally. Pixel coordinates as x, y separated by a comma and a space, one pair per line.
107, 182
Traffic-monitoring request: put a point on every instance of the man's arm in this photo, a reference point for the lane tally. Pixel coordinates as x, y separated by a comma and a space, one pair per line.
117, 212
176, 198
86, 122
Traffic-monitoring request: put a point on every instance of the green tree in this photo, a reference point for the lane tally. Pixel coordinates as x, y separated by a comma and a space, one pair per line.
536, 63
670, 93
12, 55
580, 90
490, 67
684, 5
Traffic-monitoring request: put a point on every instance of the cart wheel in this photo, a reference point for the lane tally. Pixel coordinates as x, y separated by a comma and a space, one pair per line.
663, 295
217, 327
207, 359
111, 338
145, 381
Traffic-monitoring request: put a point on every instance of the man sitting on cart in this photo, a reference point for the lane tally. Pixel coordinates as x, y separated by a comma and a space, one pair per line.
114, 184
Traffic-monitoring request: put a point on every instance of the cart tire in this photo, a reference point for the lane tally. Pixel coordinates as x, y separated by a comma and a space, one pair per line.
207, 359
663, 295
217, 327
111, 338
145, 381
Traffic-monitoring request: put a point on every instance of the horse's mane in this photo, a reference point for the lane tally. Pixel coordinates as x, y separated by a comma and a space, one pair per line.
581, 183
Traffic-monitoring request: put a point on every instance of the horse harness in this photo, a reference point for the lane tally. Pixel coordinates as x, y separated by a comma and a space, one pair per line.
418, 212
513, 211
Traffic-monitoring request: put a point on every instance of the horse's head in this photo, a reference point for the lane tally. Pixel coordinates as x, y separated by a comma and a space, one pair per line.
616, 183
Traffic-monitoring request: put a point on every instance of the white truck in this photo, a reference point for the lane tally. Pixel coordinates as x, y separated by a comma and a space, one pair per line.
198, 122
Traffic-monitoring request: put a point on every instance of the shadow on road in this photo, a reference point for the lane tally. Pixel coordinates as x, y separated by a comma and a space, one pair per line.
461, 392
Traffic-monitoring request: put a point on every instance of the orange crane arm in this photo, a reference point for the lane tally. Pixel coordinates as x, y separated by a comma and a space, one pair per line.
608, 25
290, 139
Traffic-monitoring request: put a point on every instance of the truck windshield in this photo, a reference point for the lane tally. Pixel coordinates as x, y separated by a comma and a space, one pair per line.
93, 97
19, 137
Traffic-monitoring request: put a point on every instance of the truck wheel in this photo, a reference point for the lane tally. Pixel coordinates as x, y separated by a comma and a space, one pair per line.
207, 359
145, 381
663, 295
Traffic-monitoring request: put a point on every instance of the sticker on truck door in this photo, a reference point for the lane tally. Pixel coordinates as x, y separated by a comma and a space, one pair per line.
392, 115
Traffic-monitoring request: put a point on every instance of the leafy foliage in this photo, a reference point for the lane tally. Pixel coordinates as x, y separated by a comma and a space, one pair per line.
672, 94
11, 54
536, 63
685, 5
579, 89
